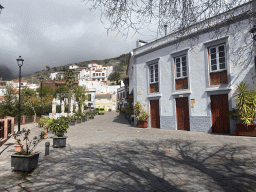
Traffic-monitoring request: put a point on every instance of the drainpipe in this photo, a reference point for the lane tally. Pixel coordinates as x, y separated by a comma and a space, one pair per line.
165, 29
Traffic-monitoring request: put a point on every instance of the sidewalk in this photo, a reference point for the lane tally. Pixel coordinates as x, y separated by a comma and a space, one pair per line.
107, 154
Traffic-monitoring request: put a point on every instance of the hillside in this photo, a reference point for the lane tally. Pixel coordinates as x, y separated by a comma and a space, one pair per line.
119, 64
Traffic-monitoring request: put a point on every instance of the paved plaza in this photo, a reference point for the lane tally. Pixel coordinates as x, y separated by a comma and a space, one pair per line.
107, 154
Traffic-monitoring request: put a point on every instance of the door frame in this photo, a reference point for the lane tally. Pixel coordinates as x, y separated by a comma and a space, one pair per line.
177, 95
230, 103
148, 108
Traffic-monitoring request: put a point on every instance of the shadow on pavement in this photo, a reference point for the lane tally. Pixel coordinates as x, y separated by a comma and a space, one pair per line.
139, 165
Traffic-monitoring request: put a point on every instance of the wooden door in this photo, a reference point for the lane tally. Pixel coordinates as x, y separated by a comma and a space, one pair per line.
154, 114
182, 111
220, 118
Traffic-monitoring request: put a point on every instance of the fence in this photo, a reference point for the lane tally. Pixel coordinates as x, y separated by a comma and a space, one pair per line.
6, 129
26, 119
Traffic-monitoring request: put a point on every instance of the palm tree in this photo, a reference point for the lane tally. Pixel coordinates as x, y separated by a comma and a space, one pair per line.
69, 77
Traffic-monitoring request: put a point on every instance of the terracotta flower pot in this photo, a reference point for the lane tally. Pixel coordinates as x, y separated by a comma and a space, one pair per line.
142, 124
244, 130
18, 148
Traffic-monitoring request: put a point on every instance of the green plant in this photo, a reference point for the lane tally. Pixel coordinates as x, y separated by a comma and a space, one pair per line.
30, 144
109, 109
61, 124
143, 116
129, 109
137, 108
245, 110
139, 112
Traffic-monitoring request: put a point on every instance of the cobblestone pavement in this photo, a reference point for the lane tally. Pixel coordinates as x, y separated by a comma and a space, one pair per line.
107, 154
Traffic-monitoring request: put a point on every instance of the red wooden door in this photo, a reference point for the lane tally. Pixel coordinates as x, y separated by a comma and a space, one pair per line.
220, 118
154, 114
182, 112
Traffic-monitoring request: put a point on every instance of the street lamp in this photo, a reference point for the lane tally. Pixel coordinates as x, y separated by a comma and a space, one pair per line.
20, 63
41, 80
1, 7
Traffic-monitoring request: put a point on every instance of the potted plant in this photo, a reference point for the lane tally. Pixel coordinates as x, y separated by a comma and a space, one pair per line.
72, 120
42, 122
90, 114
18, 147
245, 111
26, 159
84, 117
59, 126
141, 116
46, 126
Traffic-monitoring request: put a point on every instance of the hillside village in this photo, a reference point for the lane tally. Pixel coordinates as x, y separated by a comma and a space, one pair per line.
93, 78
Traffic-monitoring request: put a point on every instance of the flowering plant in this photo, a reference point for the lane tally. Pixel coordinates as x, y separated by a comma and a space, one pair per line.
30, 144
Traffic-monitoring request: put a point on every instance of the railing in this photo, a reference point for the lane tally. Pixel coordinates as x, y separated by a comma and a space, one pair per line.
6, 129
1, 130
9, 125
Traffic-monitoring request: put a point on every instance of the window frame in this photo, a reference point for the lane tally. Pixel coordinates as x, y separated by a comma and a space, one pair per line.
154, 73
217, 57
175, 66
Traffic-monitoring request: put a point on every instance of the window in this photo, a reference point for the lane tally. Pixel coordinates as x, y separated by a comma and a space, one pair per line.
217, 58
153, 78
103, 74
181, 79
217, 64
153, 70
96, 74
93, 74
181, 66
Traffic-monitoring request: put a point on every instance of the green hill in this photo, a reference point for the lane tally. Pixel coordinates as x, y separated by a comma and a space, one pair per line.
119, 64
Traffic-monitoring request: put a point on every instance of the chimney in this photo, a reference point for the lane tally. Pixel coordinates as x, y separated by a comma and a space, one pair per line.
165, 29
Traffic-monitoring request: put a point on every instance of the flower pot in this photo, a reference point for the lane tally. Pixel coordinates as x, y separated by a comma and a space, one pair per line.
244, 130
142, 124
78, 120
24, 162
59, 142
18, 148
72, 122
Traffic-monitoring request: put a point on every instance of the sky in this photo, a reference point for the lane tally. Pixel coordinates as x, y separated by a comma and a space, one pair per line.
55, 33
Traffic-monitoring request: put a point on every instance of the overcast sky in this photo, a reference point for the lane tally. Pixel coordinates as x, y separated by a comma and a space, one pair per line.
54, 33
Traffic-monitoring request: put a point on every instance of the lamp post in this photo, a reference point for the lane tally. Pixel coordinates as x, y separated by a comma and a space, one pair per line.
1, 7
41, 80
20, 63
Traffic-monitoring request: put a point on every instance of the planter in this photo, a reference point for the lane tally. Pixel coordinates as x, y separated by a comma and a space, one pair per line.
24, 162
91, 117
72, 122
243, 130
79, 121
18, 148
59, 142
142, 124
83, 119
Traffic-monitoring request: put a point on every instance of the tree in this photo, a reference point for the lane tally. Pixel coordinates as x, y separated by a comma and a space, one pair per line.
80, 95
48, 68
69, 77
61, 92
114, 76
45, 90
9, 105
125, 16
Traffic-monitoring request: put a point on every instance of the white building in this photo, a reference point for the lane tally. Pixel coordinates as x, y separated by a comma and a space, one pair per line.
189, 87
